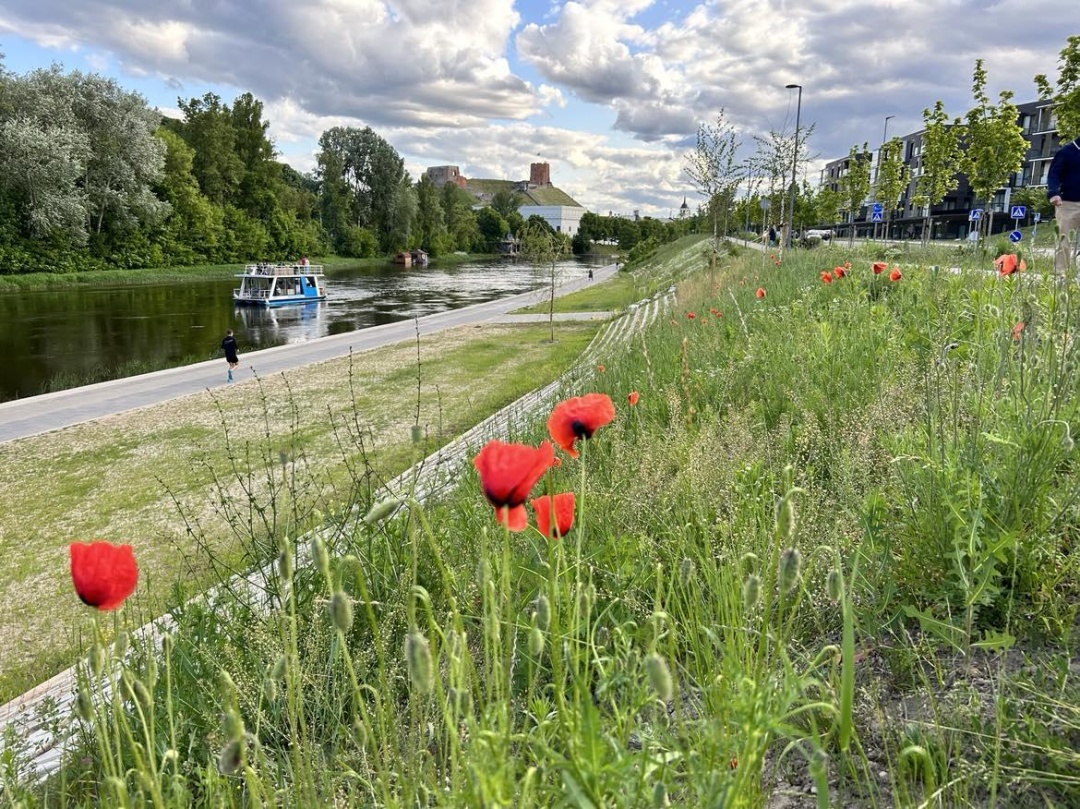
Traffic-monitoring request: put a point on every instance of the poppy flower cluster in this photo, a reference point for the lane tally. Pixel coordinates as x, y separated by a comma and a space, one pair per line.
715, 312
879, 267
1018, 331
826, 277
760, 293
895, 275
104, 574
508, 472
632, 397
839, 271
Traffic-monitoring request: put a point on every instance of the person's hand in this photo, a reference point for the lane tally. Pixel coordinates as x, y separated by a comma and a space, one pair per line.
1055, 200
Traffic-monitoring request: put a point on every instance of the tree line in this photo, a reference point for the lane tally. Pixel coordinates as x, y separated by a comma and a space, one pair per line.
986, 145
91, 177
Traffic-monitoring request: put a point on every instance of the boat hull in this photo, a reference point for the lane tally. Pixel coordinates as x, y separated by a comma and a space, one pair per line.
277, 301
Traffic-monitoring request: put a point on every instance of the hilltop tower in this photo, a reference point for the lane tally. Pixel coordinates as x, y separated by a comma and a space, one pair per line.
539, 174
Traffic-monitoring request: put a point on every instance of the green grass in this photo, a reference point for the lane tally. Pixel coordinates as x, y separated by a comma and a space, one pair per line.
833, 545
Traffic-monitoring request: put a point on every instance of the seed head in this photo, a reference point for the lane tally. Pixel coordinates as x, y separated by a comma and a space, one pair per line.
789, 569
834, 585
659, 676
536, 642
418, 659
319, 554
543, 613
751, 592
340, 608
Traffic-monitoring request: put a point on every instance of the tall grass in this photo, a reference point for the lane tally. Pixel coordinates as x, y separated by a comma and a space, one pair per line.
829, 555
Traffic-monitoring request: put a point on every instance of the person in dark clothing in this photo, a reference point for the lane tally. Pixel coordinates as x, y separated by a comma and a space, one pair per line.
772, 236
1063, 191
228, 345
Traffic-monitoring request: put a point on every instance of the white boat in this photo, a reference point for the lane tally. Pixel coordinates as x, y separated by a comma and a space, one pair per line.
278, 284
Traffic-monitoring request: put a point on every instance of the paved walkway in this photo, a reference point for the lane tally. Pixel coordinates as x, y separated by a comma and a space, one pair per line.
54, 411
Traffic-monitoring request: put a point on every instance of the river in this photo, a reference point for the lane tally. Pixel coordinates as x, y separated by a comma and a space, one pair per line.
57, 338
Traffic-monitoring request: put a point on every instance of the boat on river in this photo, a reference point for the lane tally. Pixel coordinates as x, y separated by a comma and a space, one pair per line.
278, 284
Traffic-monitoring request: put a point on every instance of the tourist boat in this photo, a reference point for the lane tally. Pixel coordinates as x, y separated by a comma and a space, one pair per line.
278, 284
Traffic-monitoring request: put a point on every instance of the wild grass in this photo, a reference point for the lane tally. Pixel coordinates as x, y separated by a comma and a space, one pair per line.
828, 559
153, 477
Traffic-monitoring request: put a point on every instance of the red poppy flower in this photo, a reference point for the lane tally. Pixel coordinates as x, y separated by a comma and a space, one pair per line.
879, 267
760, 292
839, 272
561, 506
507, 474
579, 417
601, 368
690, 315
632, 397
103, 574
826, 277
895, 275
1006, 264
1018, 330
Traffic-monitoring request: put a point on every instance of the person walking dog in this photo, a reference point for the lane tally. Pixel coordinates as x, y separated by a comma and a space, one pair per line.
228, 345
1063, 191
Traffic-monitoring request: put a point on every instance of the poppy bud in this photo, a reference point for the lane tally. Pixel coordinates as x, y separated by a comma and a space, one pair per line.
319, 554
751, 592
360, 732
536, 642
381, 510
270, 689
84, 705
341, 613
785, 518
789, 569
543, 613
834, 585
418, 659
659, 676
120, 644
278, 671
285, 565
228, 687
97, 659
232, 756
686, 569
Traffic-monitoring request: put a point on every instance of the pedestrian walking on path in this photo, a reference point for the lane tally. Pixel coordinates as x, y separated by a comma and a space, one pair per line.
1063, 191
228, 345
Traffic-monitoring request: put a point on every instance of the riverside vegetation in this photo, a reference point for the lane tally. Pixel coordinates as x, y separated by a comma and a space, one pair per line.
828, 557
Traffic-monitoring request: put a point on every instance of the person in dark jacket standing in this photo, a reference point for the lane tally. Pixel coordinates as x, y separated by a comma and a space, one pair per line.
228, 345
1063, 190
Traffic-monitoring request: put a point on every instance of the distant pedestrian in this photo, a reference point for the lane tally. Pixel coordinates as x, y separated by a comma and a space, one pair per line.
304, 262
228, 345
1063, 191
772, 236
590, 274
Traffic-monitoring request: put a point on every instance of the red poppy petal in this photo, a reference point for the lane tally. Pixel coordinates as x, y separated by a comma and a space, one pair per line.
104, 574
563, 507
509, 471
579, 417
515, 518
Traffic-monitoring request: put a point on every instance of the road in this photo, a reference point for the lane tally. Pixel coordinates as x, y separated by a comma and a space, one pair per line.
54, 411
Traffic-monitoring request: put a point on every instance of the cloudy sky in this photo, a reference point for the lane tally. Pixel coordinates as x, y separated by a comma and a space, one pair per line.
609, 92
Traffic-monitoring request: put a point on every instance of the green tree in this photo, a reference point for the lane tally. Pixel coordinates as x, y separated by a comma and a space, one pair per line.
461, 220
940, 162
854, 184
193, 231
543, 247
208, 129
430, 221
713, 171
492, 228
892, 178
995, 144
505, 202
373, 173
1066, 92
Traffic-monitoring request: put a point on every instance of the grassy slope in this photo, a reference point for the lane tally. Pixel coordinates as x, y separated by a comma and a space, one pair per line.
886, 465
124, 478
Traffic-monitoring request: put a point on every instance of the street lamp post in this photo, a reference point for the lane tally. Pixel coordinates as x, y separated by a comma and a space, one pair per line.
794, 165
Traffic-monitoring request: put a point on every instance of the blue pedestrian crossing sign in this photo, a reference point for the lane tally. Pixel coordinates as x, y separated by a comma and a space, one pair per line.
1015, 236
877, 216
1018, 212
878, 208
975, 215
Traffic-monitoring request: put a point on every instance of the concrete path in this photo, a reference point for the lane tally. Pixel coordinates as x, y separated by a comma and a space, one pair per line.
54, 411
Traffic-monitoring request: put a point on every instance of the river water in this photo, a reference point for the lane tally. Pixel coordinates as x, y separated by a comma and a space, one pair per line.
58, 338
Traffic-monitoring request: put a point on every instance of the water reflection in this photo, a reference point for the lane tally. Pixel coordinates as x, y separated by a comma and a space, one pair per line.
76, 335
